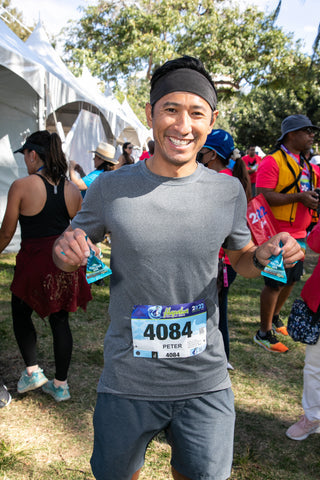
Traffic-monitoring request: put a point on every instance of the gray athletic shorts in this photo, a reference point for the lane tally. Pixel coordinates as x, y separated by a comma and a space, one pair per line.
199, 430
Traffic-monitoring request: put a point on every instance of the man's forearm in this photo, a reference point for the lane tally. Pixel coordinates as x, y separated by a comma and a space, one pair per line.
243, 260
277, 199
244, 265
309, 199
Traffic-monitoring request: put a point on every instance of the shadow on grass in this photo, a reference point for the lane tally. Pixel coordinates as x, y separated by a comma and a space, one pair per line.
262, 450
267, 389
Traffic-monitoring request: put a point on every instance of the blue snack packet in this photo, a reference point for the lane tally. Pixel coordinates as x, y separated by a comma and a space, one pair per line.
275, 268
96, 269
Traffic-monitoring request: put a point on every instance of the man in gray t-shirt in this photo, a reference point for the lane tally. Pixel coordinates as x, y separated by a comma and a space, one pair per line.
165, 366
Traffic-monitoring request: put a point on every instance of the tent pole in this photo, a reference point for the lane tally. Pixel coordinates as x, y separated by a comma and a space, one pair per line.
58, 125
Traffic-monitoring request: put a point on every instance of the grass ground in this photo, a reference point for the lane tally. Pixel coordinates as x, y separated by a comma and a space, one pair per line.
42, 440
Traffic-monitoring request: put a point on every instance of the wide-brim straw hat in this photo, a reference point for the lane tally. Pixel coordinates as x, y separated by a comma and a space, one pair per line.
106, 152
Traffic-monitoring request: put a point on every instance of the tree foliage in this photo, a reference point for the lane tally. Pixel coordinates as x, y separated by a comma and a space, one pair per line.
117, 38
123, 42
256, 118
9, 14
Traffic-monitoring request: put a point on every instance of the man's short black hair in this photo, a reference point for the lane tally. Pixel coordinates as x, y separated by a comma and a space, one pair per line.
183, 62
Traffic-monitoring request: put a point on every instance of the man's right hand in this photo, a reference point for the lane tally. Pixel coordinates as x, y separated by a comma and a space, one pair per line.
309, 199
71, 250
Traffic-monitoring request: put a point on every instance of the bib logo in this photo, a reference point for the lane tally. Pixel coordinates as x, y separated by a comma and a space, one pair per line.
155, 311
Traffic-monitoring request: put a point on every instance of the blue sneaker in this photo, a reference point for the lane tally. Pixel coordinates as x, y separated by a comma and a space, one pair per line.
27, 383
58, 393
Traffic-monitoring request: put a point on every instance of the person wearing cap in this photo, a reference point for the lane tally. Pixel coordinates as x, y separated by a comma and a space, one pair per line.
43, 203
287, 180
165, 367
104, 161
220, 154
252, 161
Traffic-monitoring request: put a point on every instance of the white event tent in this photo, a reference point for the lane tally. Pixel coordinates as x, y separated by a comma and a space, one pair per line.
38, 91
65, 94
68, 96
21, 110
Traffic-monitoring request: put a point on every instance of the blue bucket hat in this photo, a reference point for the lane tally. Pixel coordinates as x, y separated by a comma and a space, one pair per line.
221, 142
294, 123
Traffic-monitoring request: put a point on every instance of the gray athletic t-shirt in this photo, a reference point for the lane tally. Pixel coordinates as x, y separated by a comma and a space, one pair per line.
166, 234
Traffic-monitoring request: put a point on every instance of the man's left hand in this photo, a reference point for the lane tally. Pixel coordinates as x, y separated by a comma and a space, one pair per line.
291, 250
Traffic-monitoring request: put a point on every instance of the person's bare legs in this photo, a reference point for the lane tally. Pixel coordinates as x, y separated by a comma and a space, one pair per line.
283, 297
271, 302
268, 302
178, 476
33, 368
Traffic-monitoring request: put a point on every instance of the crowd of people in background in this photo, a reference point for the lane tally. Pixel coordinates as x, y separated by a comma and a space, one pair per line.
167, 270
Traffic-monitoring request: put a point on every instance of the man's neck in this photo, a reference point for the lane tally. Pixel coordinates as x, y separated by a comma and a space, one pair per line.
165, 169
291, 148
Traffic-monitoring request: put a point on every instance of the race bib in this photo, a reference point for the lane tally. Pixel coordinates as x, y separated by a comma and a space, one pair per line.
169, 331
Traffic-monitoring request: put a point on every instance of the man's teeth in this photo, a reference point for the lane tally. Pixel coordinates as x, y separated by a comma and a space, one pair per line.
177, 142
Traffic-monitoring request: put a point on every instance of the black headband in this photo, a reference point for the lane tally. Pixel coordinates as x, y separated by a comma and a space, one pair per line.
184, 80
31, 146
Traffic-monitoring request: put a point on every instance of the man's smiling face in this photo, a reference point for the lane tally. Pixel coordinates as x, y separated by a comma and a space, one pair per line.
181, 122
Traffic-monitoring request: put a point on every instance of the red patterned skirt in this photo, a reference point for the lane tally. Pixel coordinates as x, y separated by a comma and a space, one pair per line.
43, 286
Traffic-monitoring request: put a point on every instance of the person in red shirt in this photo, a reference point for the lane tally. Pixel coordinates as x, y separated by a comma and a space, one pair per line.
147, 154
252, 161
287, 180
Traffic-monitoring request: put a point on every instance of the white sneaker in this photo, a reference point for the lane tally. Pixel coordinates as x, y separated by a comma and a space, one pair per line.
303, 428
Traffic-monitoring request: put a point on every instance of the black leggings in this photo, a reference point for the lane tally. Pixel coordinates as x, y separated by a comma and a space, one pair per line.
26, 336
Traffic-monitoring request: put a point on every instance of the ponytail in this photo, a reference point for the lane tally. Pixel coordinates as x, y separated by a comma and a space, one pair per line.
239, 170
54, 160
55, 164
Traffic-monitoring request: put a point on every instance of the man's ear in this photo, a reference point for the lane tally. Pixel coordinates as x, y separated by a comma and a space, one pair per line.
149, 114
213, 157
215, 114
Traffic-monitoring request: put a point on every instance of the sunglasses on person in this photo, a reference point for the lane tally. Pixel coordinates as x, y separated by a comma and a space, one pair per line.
308, 130
130, 147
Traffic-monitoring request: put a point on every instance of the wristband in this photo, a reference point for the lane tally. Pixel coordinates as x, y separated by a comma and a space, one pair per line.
256, 262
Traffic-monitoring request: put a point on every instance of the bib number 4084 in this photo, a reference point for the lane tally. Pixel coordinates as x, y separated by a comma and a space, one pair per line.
162, 331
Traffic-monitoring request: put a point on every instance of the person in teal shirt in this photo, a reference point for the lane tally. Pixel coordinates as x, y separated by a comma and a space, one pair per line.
104, 161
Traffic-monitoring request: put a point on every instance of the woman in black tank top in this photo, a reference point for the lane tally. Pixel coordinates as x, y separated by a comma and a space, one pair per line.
43, 203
